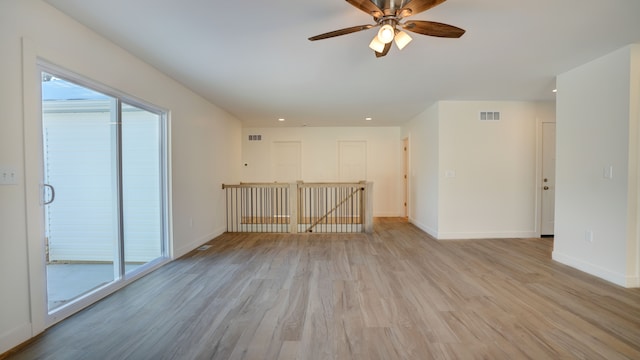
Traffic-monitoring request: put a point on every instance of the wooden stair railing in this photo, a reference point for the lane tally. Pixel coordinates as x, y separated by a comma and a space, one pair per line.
286, 207
310, 228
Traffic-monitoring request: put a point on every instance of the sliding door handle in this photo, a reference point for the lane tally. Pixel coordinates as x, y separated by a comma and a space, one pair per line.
53, 194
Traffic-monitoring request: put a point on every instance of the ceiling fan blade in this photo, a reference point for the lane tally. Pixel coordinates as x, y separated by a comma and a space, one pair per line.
341, 32
384, 52
433, 29
367, 6
418, 6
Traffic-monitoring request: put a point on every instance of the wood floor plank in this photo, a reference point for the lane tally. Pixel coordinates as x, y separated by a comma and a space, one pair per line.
349, 323
393, 294
289, 350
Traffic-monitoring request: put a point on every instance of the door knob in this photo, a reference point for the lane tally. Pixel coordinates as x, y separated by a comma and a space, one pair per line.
546, 188
53, 194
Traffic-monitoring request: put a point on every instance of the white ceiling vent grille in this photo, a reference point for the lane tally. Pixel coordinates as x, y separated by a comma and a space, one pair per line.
489, 115
255, 137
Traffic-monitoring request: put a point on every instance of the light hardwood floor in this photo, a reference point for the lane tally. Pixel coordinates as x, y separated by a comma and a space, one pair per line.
393, 294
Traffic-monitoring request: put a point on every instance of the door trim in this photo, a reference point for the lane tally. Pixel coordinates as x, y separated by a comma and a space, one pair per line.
33, 62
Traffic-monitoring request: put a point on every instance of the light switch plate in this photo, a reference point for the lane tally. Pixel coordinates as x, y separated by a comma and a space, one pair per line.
8, 176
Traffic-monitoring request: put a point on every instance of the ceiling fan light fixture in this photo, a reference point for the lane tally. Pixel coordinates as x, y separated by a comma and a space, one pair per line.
389, 16
386, 34
376, 45
402, 39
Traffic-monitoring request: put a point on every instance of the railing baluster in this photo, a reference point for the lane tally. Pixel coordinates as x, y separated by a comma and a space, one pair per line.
234, 208
264, 216
280, 193
310, 212
343, 210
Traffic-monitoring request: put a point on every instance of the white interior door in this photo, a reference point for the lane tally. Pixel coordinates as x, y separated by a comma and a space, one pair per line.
548, 178
352, 160
405, 175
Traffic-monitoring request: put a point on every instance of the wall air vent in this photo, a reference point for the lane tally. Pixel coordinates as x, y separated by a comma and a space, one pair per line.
489, 115
255, 137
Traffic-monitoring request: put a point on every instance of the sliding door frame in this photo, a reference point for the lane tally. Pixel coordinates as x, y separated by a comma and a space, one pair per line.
33, 66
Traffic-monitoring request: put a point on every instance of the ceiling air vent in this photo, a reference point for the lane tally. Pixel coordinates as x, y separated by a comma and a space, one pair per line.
255, 137
489, 115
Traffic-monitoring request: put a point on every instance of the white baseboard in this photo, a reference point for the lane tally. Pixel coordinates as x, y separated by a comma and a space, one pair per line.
473, 235
633, 281
15, 337
195, 244
387, 215
177, 252
430, 231
486, 235
595, 270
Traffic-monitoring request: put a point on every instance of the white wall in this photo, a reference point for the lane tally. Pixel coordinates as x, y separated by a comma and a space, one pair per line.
597, 128
491, 195
633, 223
320, 158
487, 170
205, 143
423, 135
483, 181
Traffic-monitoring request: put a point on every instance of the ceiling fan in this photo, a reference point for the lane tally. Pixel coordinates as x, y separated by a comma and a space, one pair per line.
388, 15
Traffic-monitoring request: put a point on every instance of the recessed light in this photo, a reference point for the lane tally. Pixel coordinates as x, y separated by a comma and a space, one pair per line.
555, 90
281, 119
368, 118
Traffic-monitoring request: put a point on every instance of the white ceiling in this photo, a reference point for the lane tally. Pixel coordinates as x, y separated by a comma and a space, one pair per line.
253, 59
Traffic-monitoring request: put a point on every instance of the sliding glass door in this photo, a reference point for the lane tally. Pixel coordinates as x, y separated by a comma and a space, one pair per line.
81, 218
104, 175
142, 205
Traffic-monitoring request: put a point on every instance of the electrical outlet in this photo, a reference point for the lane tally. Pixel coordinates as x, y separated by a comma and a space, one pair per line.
8, 176
588, 236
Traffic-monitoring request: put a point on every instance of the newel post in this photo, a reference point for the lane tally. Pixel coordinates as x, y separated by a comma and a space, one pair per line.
368, 207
